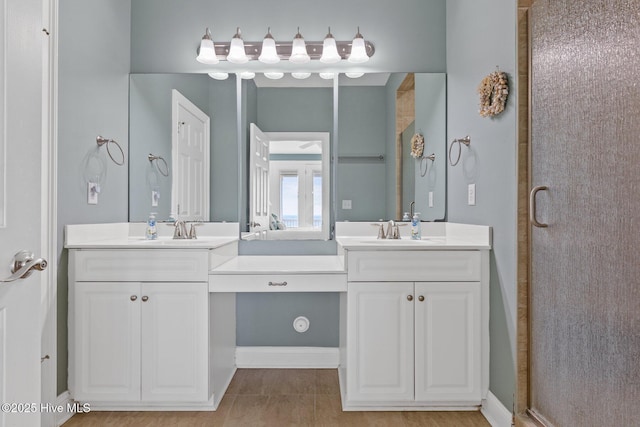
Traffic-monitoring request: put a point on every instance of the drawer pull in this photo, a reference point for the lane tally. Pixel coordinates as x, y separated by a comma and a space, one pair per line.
145, 298
410, 297
421, 298
277, 283
134, 297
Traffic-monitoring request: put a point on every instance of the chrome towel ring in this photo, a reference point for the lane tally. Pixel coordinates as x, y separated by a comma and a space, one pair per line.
109, 143
164, 170
466, 141
432, 157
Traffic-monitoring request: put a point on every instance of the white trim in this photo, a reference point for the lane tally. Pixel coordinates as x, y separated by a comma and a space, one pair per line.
3, 113
64, 401
287, 357
495, 412
49, 207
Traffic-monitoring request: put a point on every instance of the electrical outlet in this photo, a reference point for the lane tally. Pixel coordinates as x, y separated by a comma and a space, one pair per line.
346, 204
430, 199
155, 196
92, 193
471, 200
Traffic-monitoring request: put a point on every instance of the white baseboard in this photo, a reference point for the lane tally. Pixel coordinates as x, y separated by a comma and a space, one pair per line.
495, 412
287, 357
65, 401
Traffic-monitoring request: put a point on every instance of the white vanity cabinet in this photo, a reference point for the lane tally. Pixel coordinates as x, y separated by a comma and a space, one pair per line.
416, 330
139, 327
141, 341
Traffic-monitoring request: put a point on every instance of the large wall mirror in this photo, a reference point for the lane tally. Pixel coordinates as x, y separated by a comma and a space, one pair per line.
369, 158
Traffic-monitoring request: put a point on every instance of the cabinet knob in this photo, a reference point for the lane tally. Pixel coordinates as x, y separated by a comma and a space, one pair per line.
421, 298
410, 297
145, 298
134, 297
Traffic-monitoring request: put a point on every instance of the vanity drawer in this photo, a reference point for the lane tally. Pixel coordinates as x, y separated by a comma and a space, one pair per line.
413, 266
278, 283
132, 265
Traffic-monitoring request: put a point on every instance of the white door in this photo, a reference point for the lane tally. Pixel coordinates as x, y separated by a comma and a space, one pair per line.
190, 160
23, 157
174, 342
259, 181
380, 341
448, 353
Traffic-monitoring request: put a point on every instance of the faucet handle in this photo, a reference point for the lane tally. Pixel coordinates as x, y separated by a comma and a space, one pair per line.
192, 230
381, 233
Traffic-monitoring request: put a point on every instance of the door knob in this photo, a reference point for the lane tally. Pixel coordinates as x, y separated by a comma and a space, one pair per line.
23, 264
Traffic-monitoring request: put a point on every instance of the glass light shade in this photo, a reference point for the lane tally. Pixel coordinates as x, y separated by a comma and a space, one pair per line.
269, 54
301, 75
237, 54
354, 75
219, 76
358, 51
275, 75
327, 76
299, 53
207, 53
247, 75
330, 53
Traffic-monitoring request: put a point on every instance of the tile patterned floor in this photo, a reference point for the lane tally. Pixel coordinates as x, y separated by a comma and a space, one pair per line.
280, 397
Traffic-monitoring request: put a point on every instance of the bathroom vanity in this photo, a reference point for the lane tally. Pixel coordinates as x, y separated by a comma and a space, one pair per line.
152, 323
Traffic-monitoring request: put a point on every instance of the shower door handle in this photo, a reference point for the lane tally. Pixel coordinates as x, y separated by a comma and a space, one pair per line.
532, 206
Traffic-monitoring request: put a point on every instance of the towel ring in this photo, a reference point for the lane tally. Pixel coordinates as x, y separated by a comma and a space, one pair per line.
163, 170
466, 141
431, 157
108, 142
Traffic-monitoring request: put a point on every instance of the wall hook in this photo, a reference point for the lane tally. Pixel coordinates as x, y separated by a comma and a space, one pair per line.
466, 141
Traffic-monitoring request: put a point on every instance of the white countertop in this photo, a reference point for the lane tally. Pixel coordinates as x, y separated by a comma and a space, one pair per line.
286, 264
435, 236
130, 236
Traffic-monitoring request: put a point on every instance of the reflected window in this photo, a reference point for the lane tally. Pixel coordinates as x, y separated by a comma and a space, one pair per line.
289, 200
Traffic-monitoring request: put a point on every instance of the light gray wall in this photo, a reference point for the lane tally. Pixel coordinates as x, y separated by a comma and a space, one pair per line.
93, 93
408, 35
481, 34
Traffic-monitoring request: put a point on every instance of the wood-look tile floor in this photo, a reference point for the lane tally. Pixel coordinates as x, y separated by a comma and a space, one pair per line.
279, 397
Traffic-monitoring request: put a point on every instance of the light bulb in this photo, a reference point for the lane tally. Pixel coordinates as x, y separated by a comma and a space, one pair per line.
301, 75
237, 54
274, 75
269, 54
219, 76
207, 53
299, 53
327, 76
358, 50
354, 75
329, 50
247, 75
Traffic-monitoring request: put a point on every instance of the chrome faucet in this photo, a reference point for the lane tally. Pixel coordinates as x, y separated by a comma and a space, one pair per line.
180, 230
412, 206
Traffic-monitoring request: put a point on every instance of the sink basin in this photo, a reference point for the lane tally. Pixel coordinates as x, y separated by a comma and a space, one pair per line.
163, 241
399, 242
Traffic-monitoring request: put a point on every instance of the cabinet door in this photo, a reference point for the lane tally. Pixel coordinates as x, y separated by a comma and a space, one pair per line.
380, 341
174, 342
107, 341
448, 347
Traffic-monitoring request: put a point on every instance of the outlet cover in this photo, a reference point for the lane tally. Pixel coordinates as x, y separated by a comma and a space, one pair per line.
430, 199
92, 193
346, 204
471, 195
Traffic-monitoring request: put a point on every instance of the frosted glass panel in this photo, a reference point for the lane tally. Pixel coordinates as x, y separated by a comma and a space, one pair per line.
585, 337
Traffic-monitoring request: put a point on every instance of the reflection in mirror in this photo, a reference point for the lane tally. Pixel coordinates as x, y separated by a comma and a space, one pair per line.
288, 138
154, 130
288, 190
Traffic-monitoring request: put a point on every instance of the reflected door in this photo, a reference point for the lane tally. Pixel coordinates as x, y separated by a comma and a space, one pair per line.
259, 179
190, 158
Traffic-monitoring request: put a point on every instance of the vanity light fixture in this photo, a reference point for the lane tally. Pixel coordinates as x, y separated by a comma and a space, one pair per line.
269, 54
207, 52
301, 75
358, 50
237, 54
330, 53
219, 76
299, 53
274, 75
